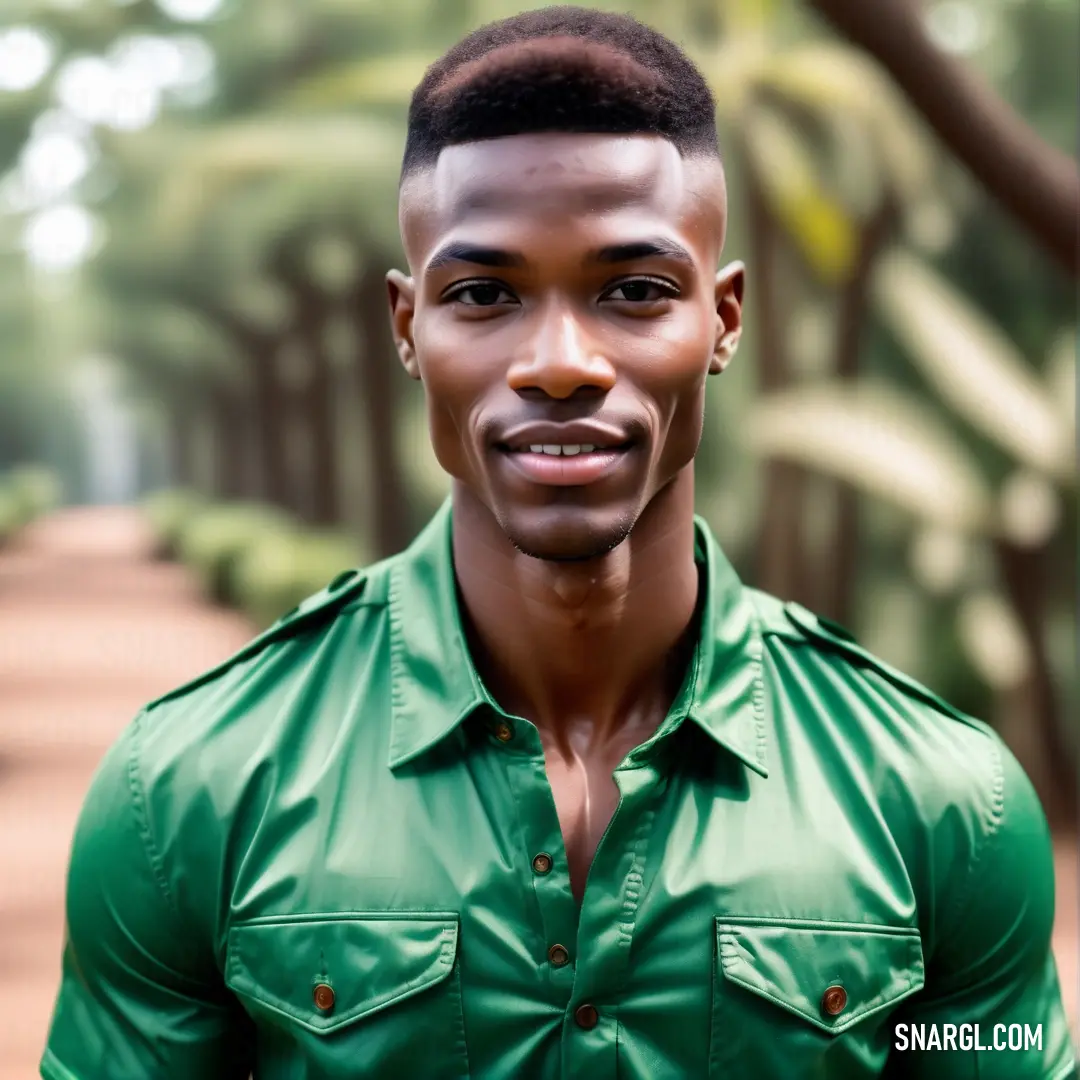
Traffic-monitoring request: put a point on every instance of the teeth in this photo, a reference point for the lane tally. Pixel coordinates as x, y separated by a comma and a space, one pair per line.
562, 451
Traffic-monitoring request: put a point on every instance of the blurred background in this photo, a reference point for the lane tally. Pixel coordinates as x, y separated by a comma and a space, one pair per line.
202, 418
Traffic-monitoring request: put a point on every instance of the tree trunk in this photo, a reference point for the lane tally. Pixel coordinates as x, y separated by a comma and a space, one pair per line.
317, 485
270, 420
182, 466
780, 549
259, 348
840, 564
1035, 182
231, 446
379, 376
1042, 749
321, 423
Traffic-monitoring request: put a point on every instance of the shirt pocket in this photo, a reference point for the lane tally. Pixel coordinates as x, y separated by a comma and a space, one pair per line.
803, 998
343, 995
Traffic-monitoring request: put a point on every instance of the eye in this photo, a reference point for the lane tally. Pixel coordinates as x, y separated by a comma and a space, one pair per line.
483, 293
642, 291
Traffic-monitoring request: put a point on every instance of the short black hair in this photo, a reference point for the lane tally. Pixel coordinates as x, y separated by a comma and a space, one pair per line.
560, 69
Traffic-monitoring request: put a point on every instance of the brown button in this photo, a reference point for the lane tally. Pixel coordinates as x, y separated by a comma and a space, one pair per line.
834, 1000
558, 955
503, 731
324, 997
586, 1016
542, 863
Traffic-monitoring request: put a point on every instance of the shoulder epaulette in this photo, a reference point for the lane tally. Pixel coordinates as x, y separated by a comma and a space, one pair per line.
319, 607
830, 635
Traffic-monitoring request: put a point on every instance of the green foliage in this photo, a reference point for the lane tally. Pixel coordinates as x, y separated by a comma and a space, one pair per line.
880, 440
36, 488
247, 555
169, 513
11, 515
27, 492
967, 425
215, 537
282, 568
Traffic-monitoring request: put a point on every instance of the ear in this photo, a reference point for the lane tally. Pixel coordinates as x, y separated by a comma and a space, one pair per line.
730, 282
401, 291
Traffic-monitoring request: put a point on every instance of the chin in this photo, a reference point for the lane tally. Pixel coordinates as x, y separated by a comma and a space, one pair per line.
566, 534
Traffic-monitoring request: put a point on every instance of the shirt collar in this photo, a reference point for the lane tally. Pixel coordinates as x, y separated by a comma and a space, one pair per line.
436, 686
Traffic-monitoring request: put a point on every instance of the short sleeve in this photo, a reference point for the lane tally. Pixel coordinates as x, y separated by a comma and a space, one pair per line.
992, 965
138, 996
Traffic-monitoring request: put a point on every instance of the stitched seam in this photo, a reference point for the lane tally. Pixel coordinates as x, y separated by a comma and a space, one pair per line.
997, 814
397, 673
734, 921
141, 814
759, 684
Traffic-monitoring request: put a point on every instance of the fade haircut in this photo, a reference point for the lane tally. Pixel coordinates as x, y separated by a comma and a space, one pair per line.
560, 69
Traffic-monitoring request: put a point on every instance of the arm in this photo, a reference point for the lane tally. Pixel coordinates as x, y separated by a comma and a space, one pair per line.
992, 963
140, 995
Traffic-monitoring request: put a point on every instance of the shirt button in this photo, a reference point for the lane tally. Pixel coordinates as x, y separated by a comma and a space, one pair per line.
542, 863
558, 955
502, 731
324, 997
586, 1016
834, 1001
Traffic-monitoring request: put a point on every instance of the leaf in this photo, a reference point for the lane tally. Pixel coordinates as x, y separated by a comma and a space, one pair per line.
824, 232
1061, 378
971, 363
831, 78
749, 16
377, 80
993, 640
880, 440
732, 71
201, 170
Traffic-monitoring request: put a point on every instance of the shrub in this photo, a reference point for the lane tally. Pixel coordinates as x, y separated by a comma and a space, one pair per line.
280, 570
169, 512
37, 489
214, 537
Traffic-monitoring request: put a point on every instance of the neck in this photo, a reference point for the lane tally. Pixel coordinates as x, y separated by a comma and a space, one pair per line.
592, 651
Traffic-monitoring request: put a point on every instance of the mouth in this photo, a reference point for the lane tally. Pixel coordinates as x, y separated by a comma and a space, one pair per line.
565, 464
564, 449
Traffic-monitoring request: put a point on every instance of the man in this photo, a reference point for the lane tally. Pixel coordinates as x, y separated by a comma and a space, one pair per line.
551, 794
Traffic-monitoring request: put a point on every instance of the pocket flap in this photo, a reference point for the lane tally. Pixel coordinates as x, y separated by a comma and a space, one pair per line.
794, 963
368, 961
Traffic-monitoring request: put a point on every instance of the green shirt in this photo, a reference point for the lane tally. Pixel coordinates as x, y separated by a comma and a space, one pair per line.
334, 856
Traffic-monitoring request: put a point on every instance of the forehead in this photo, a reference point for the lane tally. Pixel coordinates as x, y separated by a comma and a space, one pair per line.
563, 182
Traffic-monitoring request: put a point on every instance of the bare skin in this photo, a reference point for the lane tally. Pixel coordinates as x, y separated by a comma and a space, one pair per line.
579, 598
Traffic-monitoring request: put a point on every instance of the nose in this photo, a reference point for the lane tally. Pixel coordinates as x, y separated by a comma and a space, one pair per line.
559, 360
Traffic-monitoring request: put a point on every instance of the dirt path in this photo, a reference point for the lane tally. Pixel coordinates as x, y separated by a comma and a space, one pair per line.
90, 629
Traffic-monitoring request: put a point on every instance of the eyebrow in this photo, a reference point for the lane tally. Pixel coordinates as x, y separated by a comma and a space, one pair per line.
459, 251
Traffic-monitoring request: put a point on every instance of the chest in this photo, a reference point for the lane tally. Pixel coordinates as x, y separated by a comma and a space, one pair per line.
710, 931
586, 796
451, 899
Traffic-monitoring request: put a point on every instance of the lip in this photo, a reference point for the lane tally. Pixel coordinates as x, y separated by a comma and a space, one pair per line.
575, 433
559, 471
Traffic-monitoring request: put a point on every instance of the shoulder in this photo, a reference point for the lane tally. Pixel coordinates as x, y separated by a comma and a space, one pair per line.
927, 752
314, 614
954, 797
208, 725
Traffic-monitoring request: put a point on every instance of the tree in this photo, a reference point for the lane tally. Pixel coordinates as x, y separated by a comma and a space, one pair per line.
1033, 181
